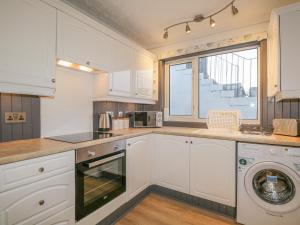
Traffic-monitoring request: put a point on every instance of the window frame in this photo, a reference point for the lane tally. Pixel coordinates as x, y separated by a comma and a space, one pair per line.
196, 88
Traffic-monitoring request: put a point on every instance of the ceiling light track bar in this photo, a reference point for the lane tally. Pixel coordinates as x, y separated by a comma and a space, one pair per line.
200, 18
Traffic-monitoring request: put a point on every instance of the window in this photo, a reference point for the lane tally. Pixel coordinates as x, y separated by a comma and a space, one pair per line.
181, 83
219, 81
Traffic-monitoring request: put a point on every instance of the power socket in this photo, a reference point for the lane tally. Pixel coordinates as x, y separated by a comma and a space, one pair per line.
15, 117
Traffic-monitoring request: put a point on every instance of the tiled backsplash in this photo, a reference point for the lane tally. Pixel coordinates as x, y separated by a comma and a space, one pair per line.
115, 107
20, 103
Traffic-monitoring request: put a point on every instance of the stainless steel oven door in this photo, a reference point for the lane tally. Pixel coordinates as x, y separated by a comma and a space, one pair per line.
98, 181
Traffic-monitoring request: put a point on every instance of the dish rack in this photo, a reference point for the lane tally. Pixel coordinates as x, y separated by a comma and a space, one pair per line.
224, 120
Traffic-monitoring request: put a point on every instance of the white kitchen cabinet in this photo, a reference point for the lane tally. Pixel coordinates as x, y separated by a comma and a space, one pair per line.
172, 162
27, 43
132, 79
65, 217
283, 50
144, 76
37, 201
122, 56
212, 170
120, 83
17, 174
138, 151
38, 191
82, 44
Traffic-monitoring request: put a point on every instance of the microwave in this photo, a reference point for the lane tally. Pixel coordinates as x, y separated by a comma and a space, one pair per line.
145, 119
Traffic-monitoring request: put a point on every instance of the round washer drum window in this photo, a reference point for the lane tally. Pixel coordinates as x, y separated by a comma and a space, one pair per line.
273, 186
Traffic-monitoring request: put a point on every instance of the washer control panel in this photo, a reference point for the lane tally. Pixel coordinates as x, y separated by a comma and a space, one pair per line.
244, 162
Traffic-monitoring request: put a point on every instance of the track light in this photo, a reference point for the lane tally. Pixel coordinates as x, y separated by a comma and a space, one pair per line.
234, 9
166, 35
187, 28
212, 22
199, 18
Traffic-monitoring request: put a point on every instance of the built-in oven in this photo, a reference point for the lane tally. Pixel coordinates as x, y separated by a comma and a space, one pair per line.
100, 176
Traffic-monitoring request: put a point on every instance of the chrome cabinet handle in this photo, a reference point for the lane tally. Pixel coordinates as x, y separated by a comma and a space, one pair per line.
41, 170
88, 63
41, 202
186, 142
53, 80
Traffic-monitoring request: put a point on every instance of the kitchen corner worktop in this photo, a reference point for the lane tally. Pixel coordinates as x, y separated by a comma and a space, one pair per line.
26, 149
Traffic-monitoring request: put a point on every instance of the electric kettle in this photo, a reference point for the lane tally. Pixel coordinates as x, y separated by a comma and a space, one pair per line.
105, 122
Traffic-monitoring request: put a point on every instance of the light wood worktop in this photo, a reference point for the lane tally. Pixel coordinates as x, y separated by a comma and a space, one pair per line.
26, 149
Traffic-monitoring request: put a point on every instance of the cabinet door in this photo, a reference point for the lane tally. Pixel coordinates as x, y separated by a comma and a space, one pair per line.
81, 44
41, 199
138, 164
289, 49
273, 61
122, 57
143, 76
27, 43
172, 162
120, 83
212, 170
65, 217
18, 174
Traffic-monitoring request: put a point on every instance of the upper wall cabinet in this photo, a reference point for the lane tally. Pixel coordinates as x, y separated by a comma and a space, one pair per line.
132, 81
283, 53
144, 72
27, 47
81, 44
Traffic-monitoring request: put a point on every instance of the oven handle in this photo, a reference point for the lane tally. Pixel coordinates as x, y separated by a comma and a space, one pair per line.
102, 161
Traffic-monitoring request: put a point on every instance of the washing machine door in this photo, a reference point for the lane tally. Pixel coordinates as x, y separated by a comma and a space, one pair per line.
273, 186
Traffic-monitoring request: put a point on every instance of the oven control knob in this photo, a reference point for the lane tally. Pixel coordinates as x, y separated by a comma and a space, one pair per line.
91, 154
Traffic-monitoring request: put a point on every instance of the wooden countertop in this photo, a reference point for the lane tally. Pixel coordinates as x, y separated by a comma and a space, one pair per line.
26, 149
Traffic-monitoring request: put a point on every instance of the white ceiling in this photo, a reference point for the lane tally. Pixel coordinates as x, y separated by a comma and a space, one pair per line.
144, 20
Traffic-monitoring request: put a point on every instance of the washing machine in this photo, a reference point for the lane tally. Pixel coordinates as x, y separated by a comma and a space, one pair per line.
268, 185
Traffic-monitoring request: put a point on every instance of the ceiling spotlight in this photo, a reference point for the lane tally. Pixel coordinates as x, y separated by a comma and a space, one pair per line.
166, 34
234, 9
187, 28
212, 22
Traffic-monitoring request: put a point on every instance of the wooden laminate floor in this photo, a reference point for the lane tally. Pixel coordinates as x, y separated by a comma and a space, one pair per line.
159, 210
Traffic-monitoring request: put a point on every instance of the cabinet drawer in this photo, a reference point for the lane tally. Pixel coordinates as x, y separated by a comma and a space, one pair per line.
65, 217
35, 202
25, 172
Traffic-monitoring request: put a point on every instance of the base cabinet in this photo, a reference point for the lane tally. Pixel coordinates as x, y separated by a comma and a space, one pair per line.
172, 162
212, 170
46, 201
138, 164
65, 217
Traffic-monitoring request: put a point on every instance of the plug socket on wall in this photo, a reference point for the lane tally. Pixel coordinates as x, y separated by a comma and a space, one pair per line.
15, 117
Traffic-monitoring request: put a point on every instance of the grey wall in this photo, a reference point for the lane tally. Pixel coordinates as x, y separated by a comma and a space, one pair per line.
20, 103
